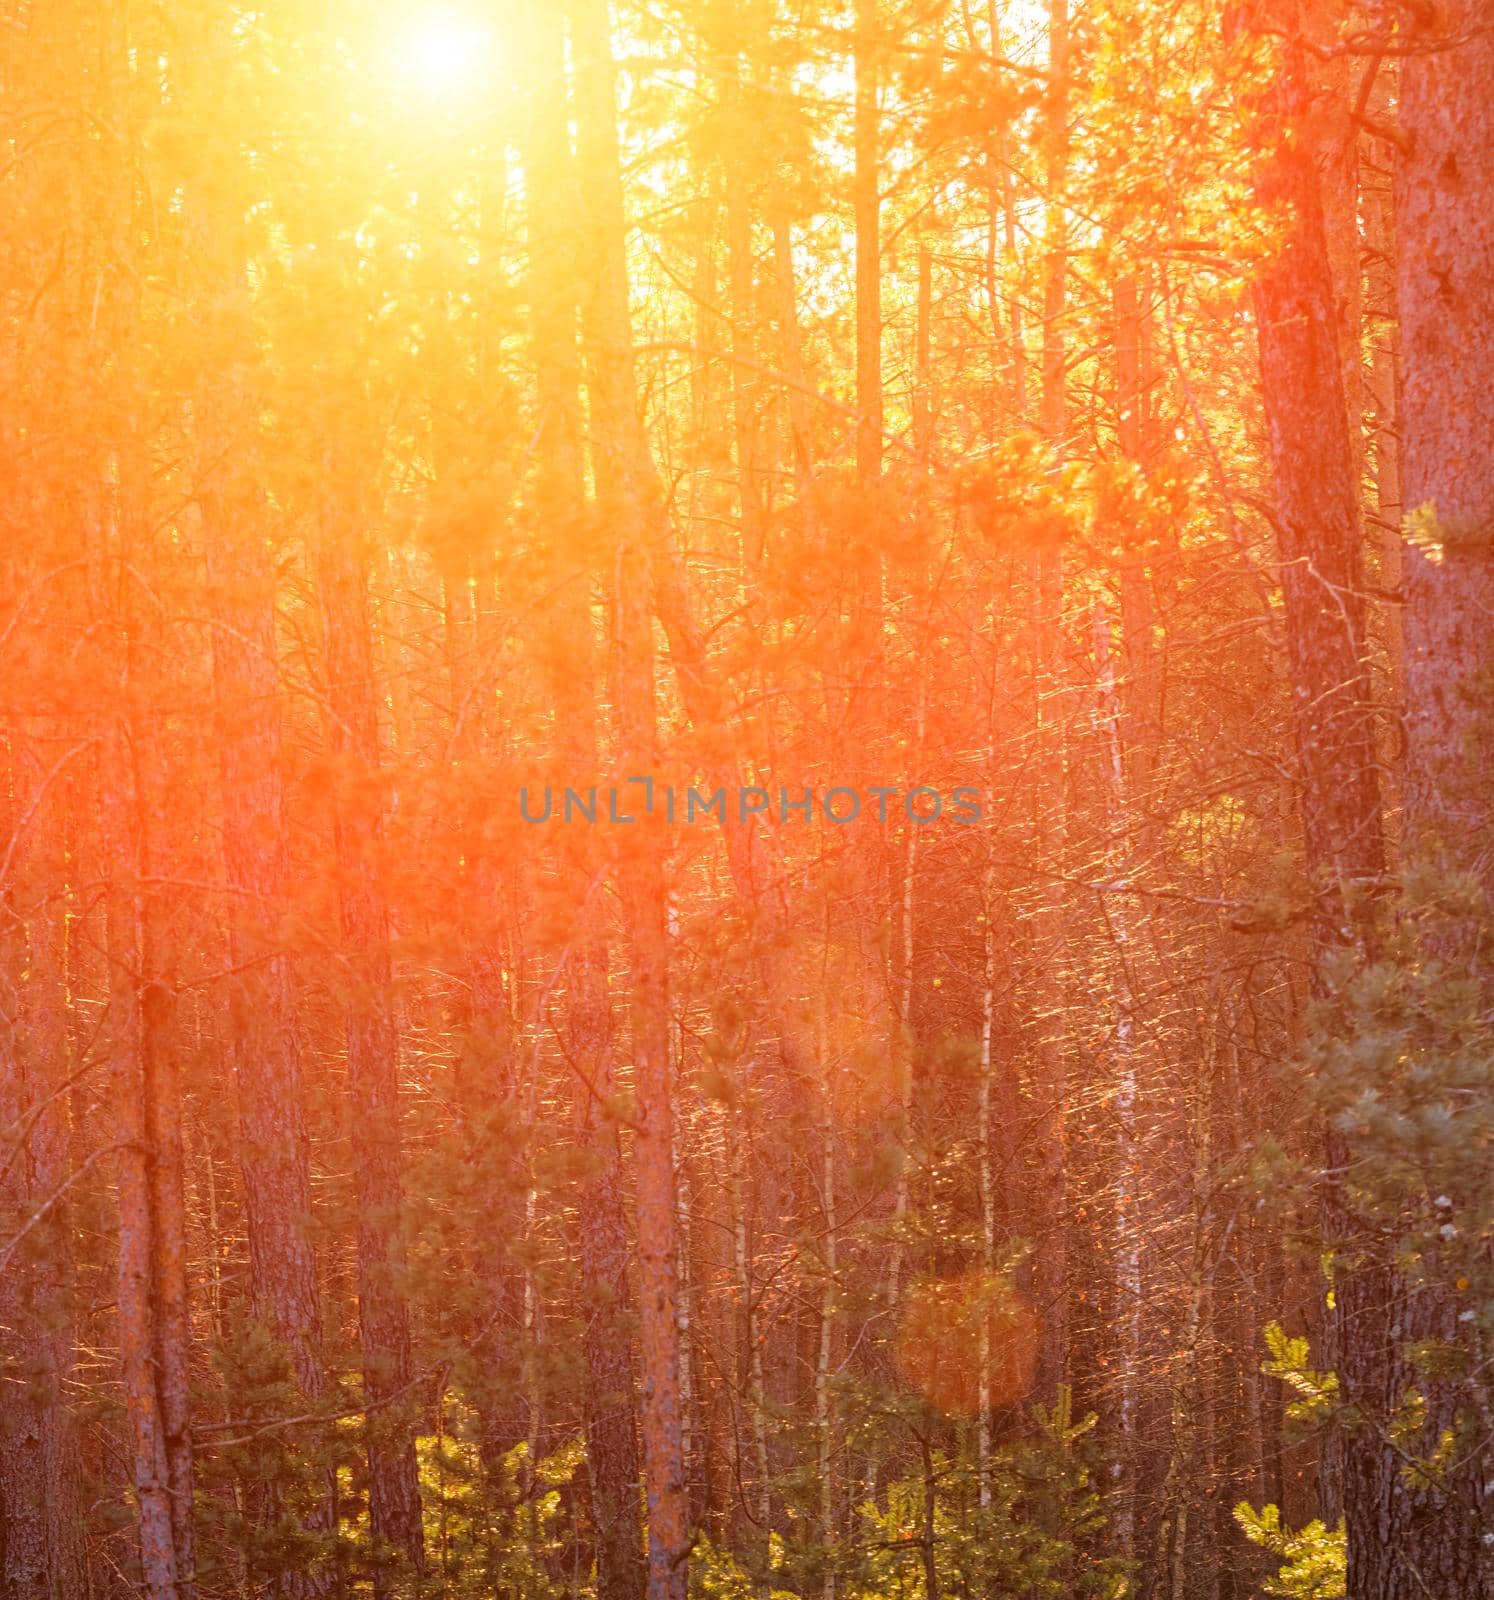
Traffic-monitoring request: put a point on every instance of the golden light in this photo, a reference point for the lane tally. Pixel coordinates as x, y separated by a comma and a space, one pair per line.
444, 53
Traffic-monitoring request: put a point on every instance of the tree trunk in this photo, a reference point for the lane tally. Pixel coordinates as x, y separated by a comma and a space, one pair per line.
741, 282
1431, 1537
1317, 504
41, 1551
274, 1152
383, 1320
1445, 290
628, 498
607, 1346
867, 209
152, 1362
1313, 462
1050, 1267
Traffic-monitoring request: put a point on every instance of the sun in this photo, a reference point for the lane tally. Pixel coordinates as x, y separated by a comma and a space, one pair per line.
444, 53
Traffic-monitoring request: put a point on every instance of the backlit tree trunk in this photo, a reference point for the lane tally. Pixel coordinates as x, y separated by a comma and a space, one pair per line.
1313, 461
1445, 221
41, 1550
867, 207
628, 499
372, 1045
1432, 1538
274, 1152
151, 1283
1050, 1276
555, 238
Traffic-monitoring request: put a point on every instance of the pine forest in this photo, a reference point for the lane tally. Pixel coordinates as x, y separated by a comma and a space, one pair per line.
746, 799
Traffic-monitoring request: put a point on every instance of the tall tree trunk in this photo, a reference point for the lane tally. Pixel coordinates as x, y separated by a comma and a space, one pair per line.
742, 284
163, 1122
922, 409
1313, 462
1382, 330
274, 1151
41, 1549
863, 659
1445, 290
383, 1319
607, 1347
41, 1517
1433, 1535
1050, 1269
1130, 716
150, 1475
151, 1284
1130, 1087
829, 1340
791, 358
866, 204
629, 499
865, 645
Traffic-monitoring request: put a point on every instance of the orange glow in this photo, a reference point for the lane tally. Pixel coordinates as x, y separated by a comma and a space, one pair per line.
691, 692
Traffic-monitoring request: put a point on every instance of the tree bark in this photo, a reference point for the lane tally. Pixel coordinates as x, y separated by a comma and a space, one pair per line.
607, 1346
1313, 461
867, 208
1432, 1534
41, 1551
383, 1319
1050, 1276
1445, 291
274, 1152
151, 1247
629, 501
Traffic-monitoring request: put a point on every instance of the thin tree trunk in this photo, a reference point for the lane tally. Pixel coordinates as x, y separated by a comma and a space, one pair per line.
867, 209
741, 282
985, 1135
865, 645
1128, 1112
791, 355
923, 435
1050, 1271
372, 1045
150, 1311
163, 1132
1383, 335
41, 1552
274, 1151
608, 1349
824, 1398
628, 496
1130, 716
